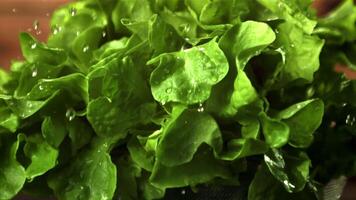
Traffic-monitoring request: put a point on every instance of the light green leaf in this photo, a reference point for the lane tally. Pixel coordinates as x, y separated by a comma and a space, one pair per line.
240, 148
302, 53
291, 169
188, 75
43, 156
123, 99
12, 173
91, 175
53, 130
184, 135
303, 119
202, 168
276, 132
246, 40
290, 11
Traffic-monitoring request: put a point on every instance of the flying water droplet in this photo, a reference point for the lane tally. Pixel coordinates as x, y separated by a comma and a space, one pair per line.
183, 192
332, 124
34, 45
70, 114
14, 10
36, 25
292, 45
104, 34
350, 120
201, 108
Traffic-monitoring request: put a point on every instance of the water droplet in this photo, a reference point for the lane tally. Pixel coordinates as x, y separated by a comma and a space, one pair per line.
48, 14
36, 25
350, 120
34, 73
183, 192
39, 32
280, 5
201, 49
169, 90
14, 10
184, 28
299, 106
34, 45
104, 34
292, 45
288, 184
56, 29
344, 104
86, 48
70, 114
40, 87
332, 124
73, 11
81, 188
310, 91
77, 33
201, 108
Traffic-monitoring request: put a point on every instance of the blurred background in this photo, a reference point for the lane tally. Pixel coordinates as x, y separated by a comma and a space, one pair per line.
23, 15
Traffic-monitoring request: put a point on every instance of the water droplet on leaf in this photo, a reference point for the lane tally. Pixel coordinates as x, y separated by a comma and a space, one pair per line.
73, 11
169, 90
86, 48
350, 120
34, 73
70, 114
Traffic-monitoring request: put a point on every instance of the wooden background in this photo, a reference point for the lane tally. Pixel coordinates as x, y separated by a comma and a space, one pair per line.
19, 15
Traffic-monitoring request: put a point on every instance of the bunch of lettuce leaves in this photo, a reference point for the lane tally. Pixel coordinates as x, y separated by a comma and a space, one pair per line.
129, 99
